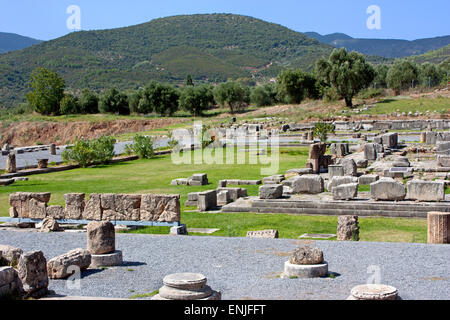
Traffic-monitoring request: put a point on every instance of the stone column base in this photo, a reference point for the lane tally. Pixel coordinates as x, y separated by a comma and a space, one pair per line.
106, 260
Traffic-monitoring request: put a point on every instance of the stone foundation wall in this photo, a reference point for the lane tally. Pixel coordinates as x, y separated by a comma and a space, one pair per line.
108, 207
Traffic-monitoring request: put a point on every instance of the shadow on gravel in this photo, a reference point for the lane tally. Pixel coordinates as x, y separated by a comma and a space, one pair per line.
133, 264
90, 272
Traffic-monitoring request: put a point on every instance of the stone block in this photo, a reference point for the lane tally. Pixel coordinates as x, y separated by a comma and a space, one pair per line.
207, 200
65, 265
390, 140
337, 181
50, 225
376, 292
74, 206
348, 228
32, 270
267, 234
101, 237
443, 161
37, 209
335, 171
370, 152
235, 193
362, 163
107, 260
223, 198
367, 179
9, 255
438, 227
20, 201
55, 212
345, 191
317, 150
349, 165
309, 184
93, 209
306, 256
339, 150
162, 208
10, 285
426, 190
305, 271
387, 189
201, 178
443, 148
271, 191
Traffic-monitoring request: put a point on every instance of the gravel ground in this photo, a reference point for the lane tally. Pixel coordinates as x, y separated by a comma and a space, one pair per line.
243, 268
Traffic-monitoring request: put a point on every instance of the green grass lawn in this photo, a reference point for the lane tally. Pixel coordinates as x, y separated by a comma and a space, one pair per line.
155, 176
392, 104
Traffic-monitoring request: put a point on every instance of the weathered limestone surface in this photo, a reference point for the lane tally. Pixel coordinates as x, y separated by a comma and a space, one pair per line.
50, 225
339, 150
162, 208
345, 191
349, 165
101, 237
207, 200
199, 179
32, 269
348, 228
9, 255
390, 140
426, 190
337, 181
306, 256
9, 282
387, 189
74, 205
235, 193
185, 281
271, 191
443, 161
370, 151
55, 212
335, 171
309, 184
275, 179
373, 292
93, 209
37, 209
223, 198
438, 227
121, 207
63, 266
21, 202
267, 234
368, 179
443, 148
11, 163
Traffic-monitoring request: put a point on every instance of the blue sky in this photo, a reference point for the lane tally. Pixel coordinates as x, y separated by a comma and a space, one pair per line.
400, 19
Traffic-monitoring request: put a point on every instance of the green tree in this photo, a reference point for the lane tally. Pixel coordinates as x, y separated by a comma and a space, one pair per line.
48, 90
69, 105
431, 74
88, 101
401, 75
196, 99
381, 72
189, 81
232, 94
113, 101
265, 95
322, 129
142, 146
348, 73
162, 98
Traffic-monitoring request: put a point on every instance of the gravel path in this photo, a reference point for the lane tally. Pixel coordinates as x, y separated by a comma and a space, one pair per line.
247, 268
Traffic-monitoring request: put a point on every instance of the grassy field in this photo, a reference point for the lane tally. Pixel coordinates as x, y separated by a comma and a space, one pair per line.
405, 104
155, 175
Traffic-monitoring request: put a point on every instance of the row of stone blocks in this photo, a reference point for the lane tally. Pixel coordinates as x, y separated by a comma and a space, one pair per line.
27, 275
209, 200
346, 188
199, 179
111, 207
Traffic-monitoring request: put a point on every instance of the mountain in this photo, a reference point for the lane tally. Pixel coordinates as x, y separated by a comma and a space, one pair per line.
389, 48
12, 42
435, 56
209, 47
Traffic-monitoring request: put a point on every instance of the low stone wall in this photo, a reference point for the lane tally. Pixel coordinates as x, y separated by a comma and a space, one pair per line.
418, 124
109, 207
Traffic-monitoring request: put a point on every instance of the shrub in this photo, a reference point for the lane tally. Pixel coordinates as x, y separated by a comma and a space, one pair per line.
88, 152
69, 105
142, 146
322, 129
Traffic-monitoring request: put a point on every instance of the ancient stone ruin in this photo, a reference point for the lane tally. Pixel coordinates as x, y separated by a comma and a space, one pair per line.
373, 292
186, 286
65, 265
108, 207
306, 262
348, 228
101, 243
266, 234
199, 179
438, 227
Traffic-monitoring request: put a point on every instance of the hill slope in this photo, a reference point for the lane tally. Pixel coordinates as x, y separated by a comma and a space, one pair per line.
12, 42
210, 47
389, 48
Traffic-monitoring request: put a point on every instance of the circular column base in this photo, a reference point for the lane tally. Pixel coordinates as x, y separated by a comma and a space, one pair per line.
305, 271
106, 260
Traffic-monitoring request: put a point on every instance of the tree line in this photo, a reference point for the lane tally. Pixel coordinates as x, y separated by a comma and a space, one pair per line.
342, 76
